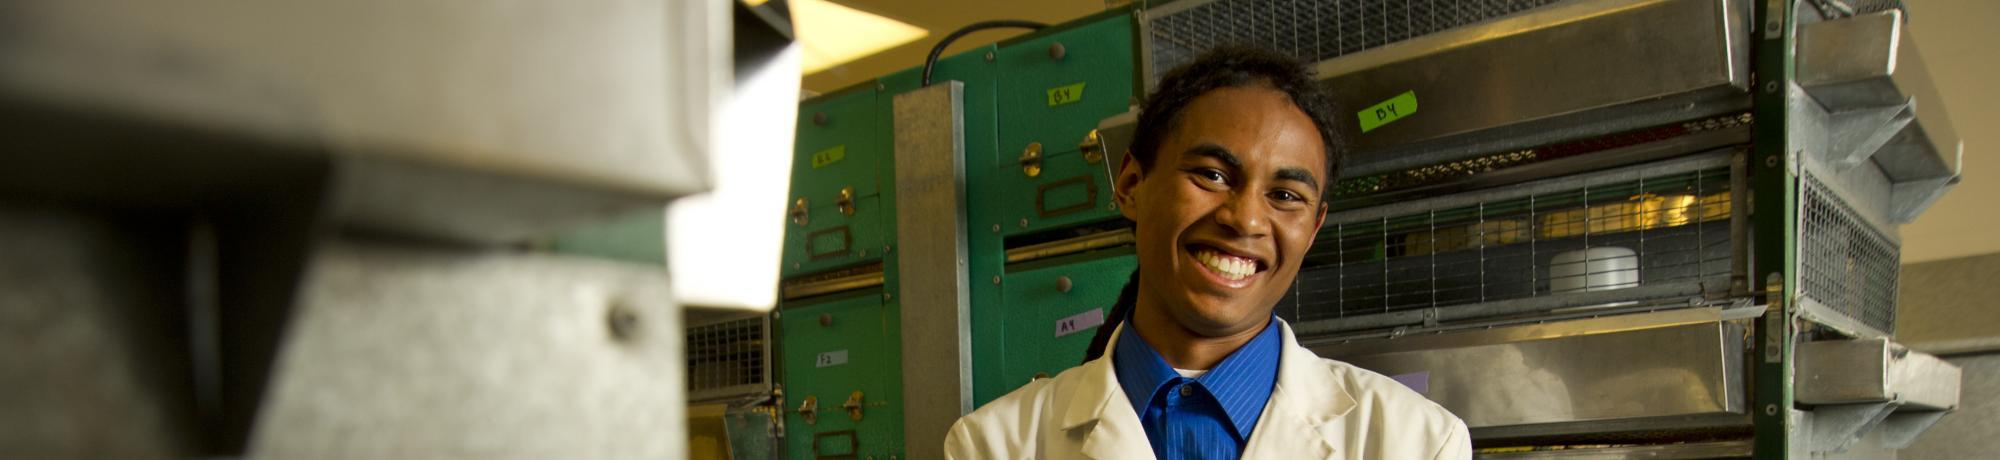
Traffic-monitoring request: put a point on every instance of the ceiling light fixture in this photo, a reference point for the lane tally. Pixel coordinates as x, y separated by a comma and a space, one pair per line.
833, 34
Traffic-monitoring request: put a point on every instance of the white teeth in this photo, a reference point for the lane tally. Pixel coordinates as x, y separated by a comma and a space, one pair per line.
1230, 267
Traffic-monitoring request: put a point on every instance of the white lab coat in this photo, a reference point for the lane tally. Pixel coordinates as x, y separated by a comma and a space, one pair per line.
1319, 408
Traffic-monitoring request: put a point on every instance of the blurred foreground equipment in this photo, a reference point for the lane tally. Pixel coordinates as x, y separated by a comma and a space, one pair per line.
306, 229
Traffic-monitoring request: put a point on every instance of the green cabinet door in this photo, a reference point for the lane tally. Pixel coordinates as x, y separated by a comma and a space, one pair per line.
831, 351
1048, 105
836, 173
1049, 329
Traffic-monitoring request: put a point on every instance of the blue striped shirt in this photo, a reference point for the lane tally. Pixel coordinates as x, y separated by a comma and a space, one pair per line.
1203, 417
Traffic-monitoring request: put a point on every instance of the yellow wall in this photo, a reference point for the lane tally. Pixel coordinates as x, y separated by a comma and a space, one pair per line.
1960, 41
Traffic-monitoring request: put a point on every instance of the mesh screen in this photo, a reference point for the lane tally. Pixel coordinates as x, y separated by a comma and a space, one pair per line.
726, 354
1663, 228
1310, 30
1843, 262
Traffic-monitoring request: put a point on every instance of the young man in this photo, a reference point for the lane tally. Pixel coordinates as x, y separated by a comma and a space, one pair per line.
1225, 183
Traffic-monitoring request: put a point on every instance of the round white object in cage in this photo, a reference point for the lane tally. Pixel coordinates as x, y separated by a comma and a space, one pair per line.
1594, 269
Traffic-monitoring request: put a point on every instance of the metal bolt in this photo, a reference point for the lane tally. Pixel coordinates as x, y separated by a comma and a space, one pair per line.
879, 87
825, 319
1063, 284
996, 228
1056, 51
795, 265
996, 279
861, 253
1771, 161
1770, 409
886, 297
885, 249
819, 118
989, 55
623, 323
1113, 206
1024, 222
1770, 86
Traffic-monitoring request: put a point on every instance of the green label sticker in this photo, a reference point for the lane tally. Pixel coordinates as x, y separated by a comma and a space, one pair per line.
829, 156
1062, 95
1388, 111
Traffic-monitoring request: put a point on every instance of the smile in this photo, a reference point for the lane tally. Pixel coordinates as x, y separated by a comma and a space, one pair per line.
1229, 267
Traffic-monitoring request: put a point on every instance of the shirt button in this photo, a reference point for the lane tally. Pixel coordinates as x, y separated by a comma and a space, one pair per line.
1187, 390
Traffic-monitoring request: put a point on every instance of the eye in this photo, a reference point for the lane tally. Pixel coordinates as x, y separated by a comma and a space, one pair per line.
1287, 195
1210, 174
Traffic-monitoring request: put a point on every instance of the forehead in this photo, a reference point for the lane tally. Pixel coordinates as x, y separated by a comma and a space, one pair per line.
1259, 124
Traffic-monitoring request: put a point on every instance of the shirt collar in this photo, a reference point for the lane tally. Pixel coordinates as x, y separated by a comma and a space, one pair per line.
1242, 382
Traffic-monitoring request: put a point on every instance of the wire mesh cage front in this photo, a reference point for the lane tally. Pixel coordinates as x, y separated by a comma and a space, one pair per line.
727, 355
1660, 228
1844, 263
1308, 30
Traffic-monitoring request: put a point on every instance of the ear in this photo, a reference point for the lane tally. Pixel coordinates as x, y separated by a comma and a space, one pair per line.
1124, 188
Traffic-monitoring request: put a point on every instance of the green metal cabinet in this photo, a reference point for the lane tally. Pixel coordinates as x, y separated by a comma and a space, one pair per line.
1047, 329
841, 160
1050, 104
833, 349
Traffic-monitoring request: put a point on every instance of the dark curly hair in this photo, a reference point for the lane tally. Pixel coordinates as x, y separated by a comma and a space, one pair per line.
1236, 67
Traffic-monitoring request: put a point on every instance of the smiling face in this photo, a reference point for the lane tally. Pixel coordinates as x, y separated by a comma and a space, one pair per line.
1227, 210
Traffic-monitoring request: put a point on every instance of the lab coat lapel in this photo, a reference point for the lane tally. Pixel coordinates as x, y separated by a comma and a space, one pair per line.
1302, 418
1099, 405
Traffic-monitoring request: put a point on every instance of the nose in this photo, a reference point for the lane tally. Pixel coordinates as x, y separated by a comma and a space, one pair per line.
1244, 213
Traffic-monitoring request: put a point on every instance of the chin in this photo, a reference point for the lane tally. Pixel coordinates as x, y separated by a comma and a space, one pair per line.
1214, 319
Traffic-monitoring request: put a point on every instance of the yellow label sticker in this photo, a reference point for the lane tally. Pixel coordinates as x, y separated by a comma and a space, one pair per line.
1388, 111
1062, 95
829, 156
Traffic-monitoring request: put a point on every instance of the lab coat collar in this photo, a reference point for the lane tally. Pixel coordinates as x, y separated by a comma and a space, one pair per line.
1305, 405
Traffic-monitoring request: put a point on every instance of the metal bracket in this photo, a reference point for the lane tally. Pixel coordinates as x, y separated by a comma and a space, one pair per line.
1836, 427
1092, 147
800, 211
846, 201
1858, 133
1902, 428
853, 405
809, 410
1031, 159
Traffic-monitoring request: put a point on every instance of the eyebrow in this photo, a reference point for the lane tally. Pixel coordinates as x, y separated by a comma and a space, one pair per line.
1223, 155
1300, 175
1218, 153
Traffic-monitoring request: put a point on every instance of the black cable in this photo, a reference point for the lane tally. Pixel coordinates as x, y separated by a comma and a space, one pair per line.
931, 61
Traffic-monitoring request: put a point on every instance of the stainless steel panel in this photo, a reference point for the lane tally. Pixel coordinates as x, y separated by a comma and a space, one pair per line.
402, 351
1697, 450
487, 124
1556, 61
1680, 362
931, 251
1874, 370
88, 314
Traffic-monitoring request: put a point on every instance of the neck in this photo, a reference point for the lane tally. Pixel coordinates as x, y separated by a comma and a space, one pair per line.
1184, 348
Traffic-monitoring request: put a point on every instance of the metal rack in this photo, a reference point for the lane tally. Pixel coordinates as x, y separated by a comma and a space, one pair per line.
1507, 209
729, 359
1309, 30
1650, 225
1844, 263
